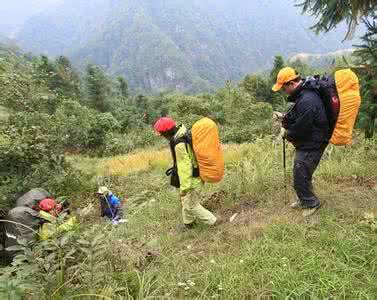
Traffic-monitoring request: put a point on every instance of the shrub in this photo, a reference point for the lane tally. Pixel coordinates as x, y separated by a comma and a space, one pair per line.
121, 144
32, 155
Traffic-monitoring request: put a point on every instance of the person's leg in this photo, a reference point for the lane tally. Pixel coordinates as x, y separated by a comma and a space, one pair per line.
305, 164
116, 214
187, 214
192, 210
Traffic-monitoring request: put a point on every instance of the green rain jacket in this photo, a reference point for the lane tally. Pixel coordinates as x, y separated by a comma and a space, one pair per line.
185, 162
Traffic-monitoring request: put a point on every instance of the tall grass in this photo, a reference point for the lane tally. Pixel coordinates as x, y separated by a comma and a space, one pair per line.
268, 252
4, 114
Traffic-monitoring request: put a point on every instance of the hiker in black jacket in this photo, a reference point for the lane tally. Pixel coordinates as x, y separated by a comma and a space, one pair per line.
306, 127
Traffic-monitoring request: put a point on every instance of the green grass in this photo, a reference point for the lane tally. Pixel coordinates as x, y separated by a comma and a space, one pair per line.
269, 251
3, 113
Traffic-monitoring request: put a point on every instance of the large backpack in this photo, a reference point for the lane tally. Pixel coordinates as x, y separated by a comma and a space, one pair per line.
204, 140
208, 152
33, 197
341, 97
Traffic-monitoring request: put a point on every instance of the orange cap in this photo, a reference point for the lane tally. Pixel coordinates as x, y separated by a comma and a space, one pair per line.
285, 75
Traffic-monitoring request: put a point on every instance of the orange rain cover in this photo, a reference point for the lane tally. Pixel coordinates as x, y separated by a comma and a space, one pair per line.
347, 85
208, 152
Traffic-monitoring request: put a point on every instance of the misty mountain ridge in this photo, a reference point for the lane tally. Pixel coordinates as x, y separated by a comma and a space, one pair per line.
175, 44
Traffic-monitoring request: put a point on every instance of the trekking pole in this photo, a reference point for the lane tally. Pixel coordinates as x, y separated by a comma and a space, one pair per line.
285, 168
284, 162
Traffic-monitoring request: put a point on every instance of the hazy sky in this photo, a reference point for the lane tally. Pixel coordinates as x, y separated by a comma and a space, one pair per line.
13, 13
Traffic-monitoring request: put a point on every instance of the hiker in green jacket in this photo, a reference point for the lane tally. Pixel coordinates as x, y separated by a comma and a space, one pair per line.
182, 173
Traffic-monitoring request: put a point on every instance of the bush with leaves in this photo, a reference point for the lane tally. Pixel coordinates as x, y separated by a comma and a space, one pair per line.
245, 118
188, 109
136, 139
73, 123
367, 56
22, 91
258, 87
73, 264
32, 155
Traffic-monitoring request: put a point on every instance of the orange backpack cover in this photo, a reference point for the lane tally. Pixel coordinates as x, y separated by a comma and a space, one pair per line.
208, 151
348, 88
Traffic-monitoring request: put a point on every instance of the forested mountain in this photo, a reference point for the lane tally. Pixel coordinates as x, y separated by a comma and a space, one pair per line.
324, 60
176, 44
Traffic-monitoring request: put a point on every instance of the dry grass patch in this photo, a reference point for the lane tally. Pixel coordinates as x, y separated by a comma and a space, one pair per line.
141, 161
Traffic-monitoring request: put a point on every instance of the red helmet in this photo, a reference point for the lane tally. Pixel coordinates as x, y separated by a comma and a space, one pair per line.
47, 204
164, 124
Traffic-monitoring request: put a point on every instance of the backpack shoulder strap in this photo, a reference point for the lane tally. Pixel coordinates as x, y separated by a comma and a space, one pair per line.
174, 155
186, 139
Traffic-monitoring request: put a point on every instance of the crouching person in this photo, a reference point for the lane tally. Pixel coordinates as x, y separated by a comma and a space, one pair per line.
54, 219
183, 173
42, 221
110, 205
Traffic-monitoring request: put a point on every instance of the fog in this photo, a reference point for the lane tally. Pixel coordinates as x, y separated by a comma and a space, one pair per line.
14, 13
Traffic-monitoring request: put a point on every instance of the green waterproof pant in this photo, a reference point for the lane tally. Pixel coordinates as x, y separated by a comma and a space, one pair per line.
192, 210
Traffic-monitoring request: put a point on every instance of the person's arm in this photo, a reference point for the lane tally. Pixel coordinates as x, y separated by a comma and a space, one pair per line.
184, 166
304, 121
103, 206
115, 202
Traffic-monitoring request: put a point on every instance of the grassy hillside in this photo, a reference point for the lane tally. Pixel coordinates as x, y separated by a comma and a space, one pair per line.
268, 250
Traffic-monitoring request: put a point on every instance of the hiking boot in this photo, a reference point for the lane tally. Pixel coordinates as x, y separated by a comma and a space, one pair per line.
219, 221
190, 226
186, 227
297, 205
310, 211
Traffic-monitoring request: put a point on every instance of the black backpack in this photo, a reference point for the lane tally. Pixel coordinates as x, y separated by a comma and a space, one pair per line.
325, 86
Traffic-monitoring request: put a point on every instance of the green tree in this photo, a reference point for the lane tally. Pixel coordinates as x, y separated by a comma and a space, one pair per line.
65, 80
278, 65
367, 54
99, 88
24, 85
245, 118
302, 68
188, 109
45, 69
277, 99
123, 86
332, 12
32, 155
142, 105
258, 87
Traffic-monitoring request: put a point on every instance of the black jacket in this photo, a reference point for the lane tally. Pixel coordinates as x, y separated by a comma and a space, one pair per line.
306, 122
